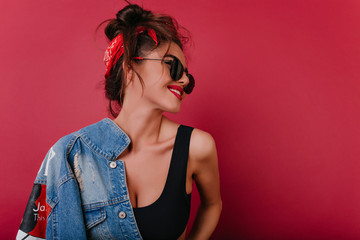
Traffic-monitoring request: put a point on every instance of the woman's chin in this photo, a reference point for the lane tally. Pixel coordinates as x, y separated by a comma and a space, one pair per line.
173, 109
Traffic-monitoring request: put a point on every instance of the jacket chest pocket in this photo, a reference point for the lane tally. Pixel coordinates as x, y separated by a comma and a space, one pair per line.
95, 223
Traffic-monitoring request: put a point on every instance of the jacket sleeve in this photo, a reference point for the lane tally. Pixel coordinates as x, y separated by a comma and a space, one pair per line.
54, 208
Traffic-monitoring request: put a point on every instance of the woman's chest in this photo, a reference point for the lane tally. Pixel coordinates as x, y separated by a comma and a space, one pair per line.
147, 173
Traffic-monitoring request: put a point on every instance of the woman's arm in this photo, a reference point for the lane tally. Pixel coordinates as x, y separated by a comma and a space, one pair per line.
204, 162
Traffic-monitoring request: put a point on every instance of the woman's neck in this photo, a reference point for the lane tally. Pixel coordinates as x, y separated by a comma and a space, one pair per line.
141, 123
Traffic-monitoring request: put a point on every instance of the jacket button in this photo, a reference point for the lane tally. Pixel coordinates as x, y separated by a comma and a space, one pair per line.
122, 214
113, 164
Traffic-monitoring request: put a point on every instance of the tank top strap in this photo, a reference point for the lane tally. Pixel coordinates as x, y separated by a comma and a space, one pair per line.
177, 171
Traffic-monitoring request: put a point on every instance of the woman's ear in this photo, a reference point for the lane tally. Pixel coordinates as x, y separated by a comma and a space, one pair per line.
128, 73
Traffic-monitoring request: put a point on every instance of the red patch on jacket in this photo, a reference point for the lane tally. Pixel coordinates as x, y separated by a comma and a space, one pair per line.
36, 213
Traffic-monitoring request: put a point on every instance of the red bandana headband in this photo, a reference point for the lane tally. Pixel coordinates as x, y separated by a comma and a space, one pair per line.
116, 48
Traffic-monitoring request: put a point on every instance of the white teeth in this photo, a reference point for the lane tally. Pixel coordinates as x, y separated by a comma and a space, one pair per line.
176, 91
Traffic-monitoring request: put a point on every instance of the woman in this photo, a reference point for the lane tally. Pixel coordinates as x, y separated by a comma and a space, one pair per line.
131, 177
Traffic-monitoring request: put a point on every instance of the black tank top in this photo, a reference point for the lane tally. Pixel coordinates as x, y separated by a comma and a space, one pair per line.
168, 216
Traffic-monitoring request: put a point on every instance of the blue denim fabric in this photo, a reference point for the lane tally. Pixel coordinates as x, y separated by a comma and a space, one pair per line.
86, 187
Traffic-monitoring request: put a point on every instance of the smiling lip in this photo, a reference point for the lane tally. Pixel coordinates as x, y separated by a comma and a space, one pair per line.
175, 87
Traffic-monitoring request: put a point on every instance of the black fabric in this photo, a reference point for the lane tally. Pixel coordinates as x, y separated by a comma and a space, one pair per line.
168, 216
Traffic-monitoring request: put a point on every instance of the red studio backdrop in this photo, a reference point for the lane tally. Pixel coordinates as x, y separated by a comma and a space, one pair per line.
277, 87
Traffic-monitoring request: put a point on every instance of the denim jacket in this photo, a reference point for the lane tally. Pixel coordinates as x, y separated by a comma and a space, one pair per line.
80, 191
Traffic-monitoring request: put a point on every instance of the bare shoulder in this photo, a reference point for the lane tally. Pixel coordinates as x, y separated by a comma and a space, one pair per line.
202, 144
205, 168
202, 150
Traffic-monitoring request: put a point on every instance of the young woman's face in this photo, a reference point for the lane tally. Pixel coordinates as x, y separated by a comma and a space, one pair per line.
157, 80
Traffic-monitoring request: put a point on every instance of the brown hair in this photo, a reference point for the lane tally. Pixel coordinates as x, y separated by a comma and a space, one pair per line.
126, 22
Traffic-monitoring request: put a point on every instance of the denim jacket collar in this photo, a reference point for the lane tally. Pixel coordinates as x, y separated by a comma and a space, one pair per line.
106, 138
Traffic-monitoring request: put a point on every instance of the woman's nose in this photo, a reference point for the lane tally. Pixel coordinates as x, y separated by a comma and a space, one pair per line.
184, 80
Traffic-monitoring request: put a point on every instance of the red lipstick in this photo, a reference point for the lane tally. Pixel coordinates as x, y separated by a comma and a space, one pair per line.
176, 90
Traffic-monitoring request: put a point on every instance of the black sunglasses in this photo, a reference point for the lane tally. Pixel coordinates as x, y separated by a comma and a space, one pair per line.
176, 71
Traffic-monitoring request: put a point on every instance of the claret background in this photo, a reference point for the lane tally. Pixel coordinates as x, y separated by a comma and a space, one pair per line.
277, 87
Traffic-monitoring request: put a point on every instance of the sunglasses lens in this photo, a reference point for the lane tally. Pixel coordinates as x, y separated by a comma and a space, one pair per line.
176, 72
189, 88
176, 69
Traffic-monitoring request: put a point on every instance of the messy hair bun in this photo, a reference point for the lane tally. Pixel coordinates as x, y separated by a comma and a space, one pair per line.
126, 22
